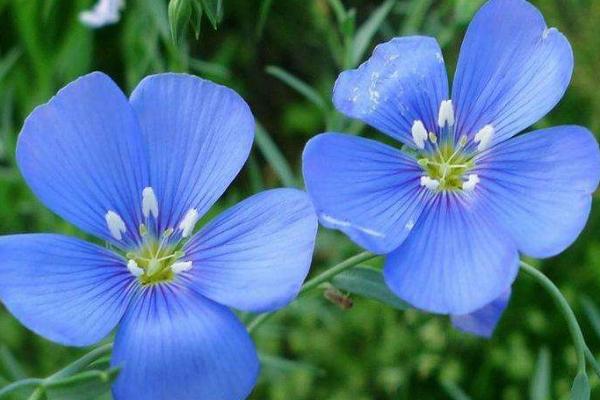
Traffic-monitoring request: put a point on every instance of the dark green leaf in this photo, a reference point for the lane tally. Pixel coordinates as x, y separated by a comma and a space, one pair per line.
11, 367
180, 12
269, 150
88, 385
301, 87
540, 383
265, 7
454, 391
214, 11
365, 33
368, 282
592, 312
581, 387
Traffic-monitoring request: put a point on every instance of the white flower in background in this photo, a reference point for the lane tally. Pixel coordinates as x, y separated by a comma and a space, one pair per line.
105, 12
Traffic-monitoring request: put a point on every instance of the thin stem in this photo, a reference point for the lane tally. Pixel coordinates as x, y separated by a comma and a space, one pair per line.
592, 360
19, 385
316, 281
82, 362
37, 394
566, 310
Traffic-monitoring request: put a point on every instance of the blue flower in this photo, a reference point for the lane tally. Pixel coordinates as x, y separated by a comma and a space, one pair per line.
139, 174
466, 194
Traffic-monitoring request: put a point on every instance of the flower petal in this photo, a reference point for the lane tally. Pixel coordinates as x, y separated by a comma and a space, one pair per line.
482, 322
403, 81
256, 255
540, 185
175, 344
65, 289
456, 260
511, 71
366, 189
199, 135
82, 155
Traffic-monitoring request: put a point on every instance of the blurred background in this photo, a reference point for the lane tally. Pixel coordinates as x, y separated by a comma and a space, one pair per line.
283, 57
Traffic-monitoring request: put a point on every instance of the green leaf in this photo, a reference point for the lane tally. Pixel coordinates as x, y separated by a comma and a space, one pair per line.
213, 10
365, 33
581, 387
13, 370
265, 7
368, 282
180, 12
301, 87
592, 312
285, 366
539, 388
8, 61
454, 391
197, 18
269, 150
88, 385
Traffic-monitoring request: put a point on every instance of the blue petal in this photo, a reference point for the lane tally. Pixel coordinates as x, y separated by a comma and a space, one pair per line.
199, 135
175, 344
366, 189
256, 255
456, 260
511, 71
482, 322
403, 81
82, 155
65, 289
540, 185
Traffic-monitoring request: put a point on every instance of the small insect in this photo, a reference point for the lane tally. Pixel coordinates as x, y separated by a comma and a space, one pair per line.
338, 298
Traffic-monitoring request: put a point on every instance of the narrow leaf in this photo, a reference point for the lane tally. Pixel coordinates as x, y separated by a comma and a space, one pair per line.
214, 11
454, 391
301, 87
8, 61
263, 14
283, 365
13, 370
592, 312
269, 150
180, 12
540, 383
368, 282
581, 387
88, 385
365, 33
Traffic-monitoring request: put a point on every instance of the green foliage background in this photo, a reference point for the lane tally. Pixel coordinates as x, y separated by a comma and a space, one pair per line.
313, 349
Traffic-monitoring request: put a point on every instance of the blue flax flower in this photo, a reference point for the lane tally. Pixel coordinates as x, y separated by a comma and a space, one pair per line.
139, 173
467, 193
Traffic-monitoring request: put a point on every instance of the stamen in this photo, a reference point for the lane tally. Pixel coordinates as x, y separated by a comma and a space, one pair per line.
115, 223
149, 203
432, 137
446, 114
419, 134
484, 137
134, 269
472, 181
431, 184
189, 222
153, 266
181, 266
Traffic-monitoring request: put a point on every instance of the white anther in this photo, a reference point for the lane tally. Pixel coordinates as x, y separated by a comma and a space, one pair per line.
446, 114
132, 266
470, 183
149, 203
181, 266
484, 137
419, 134
189, 222
115, 223
431, 184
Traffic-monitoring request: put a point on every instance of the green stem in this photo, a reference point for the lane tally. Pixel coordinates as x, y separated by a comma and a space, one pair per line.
82, 362
316, 281
37, 394
19, 385
592, 360
566, 310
